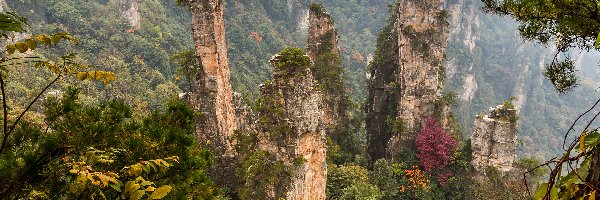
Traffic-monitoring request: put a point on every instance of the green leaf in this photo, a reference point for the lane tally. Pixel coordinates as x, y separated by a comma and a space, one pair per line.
31, 44
146, 168
161, 192
11, 49
116, 187
541, 191
138, 194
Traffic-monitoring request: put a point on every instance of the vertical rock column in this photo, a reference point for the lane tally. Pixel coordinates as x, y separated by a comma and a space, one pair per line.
213, 94
423, 37
290, 121
405, 79
327, 70
494, 140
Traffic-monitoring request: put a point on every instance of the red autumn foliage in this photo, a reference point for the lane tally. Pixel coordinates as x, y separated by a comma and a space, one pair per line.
435, 146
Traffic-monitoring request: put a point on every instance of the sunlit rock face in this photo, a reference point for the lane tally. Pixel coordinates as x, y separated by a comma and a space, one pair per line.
494, 140
291, 129
406, 76
212, 95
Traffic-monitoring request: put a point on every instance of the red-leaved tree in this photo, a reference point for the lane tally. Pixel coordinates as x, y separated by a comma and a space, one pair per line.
435, 146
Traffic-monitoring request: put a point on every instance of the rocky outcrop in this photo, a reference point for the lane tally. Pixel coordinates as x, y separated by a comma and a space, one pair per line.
494, 140
323, 50
291, 129
129, 11
405, 81
212, 95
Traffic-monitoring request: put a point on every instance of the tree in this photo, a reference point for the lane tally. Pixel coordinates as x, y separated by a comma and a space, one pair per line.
435, 146
20, 54
569, 24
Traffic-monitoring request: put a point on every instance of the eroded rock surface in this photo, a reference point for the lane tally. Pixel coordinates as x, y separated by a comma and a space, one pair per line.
213, 95
405, 81
494, 139
291, 128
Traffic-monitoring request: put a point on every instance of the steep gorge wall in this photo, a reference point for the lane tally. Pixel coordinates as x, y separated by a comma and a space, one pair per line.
405, 81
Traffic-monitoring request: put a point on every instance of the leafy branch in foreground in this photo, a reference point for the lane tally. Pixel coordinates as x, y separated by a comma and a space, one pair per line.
135, 187
578, 161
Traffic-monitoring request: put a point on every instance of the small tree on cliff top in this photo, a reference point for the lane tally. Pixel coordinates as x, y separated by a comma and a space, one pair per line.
435, 146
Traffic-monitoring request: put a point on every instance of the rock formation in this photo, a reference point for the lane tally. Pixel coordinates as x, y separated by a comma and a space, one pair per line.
327, 70
494, 140
130, 13
213, 95
291, 129
405, 81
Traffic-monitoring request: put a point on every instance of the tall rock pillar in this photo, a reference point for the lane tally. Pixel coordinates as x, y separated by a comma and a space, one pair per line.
405, 79
327, 70
494, 140
291, 134
213, 94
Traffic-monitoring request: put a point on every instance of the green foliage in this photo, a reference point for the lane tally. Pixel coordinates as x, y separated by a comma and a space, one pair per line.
350, 182
291, 61
260, 173
562, 75
12, 22
73, 127
187, 67
316, 8
272, 117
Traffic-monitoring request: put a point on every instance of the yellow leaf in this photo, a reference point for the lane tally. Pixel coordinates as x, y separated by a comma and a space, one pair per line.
582, 141
112, 174
137, 194
131, 186
135, 170
147, 183
593, 195
161, 192
22, 47
81, 75
150, 189
105, 179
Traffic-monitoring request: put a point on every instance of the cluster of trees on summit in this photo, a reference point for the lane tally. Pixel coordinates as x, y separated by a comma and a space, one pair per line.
90, 106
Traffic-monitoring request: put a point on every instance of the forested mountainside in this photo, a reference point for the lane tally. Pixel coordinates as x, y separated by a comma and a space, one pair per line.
250, 99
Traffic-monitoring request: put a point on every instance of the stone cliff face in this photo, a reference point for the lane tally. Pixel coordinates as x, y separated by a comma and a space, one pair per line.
291, 127
494, 140
405, 81
213, 94
323, 50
